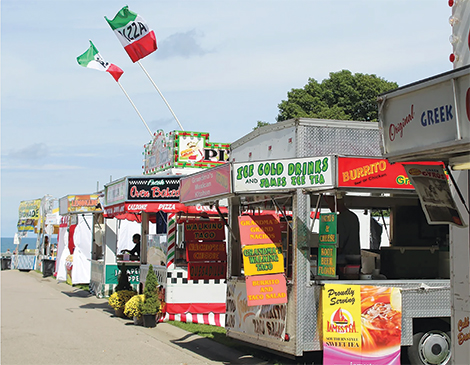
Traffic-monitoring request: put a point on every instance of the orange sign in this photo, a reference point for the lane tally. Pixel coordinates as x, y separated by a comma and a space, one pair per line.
259, 229
84, 203
266, 289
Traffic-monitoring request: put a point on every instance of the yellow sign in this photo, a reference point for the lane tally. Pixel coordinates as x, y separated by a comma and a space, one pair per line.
361, 324
263, 259
341, 317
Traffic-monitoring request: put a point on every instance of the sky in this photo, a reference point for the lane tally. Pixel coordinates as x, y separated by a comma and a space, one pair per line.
221, 65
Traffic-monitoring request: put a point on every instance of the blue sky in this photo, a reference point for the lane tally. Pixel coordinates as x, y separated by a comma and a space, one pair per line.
221, 65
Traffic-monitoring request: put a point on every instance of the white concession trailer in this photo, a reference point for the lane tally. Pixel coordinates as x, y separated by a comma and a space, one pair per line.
287, 167
430, 120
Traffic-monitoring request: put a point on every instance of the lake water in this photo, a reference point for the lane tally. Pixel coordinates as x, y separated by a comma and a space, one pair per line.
7, 243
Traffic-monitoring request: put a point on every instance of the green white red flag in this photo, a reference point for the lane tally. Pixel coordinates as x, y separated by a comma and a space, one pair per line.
92, 59
134, 34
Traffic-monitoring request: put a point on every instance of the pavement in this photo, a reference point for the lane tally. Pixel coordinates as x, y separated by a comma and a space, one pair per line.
47, 322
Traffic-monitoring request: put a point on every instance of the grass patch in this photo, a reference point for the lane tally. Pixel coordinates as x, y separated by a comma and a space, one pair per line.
85, 287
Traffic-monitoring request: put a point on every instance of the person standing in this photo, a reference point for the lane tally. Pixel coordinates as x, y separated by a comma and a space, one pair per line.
347, 228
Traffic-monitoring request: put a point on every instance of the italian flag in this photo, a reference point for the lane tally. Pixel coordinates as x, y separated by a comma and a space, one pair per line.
134, 34
92, 59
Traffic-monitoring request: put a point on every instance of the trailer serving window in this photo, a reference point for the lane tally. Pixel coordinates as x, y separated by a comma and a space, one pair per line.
409, 248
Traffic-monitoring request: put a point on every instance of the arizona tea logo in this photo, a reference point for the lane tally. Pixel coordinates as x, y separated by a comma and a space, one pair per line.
341, 321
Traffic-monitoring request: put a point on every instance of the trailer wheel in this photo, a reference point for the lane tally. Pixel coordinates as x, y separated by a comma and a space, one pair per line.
430, 348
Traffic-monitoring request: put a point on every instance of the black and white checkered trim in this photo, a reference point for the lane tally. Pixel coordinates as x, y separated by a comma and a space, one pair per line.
181, 277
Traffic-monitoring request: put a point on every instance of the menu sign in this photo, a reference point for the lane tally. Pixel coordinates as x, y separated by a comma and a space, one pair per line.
283, 174
269, 289
327, 245
205, 249
207, 270
260, 237
263, 259
258, 229
195, 230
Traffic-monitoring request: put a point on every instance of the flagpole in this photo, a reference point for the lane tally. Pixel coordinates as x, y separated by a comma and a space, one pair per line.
168, 105
143, 121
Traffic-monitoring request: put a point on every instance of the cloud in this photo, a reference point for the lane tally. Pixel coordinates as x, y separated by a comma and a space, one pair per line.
183, 45
36, 151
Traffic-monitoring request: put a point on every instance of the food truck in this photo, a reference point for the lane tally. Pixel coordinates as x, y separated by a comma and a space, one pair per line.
430, 120
285, 292
195, 290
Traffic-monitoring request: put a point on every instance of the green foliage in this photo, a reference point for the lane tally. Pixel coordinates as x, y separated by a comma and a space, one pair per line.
343, 96
260, 124
151, 303
123, 281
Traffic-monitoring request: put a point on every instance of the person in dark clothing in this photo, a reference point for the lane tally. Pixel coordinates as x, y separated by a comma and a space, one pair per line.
136, 250
347, 228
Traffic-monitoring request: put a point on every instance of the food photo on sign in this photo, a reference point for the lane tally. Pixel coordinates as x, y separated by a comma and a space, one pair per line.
361, 324
434, 193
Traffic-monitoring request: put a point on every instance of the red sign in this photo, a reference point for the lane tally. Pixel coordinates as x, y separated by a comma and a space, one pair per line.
373, 173
207, 270
207, 184
206, 251
196, 230
266, 289
259, 229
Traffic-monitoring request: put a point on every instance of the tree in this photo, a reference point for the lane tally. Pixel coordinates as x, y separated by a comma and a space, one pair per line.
343, 96
260, 124
151, 302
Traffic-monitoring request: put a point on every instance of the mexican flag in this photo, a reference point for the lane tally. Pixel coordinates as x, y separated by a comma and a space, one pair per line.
92, 59
134, 34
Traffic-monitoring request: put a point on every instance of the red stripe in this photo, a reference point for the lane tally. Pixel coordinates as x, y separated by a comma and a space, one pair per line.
115, 71
217, 320
183, 318
195, 308
143, 47
205, 318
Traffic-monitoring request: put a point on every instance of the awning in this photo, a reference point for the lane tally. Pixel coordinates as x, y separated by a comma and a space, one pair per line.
131, 210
